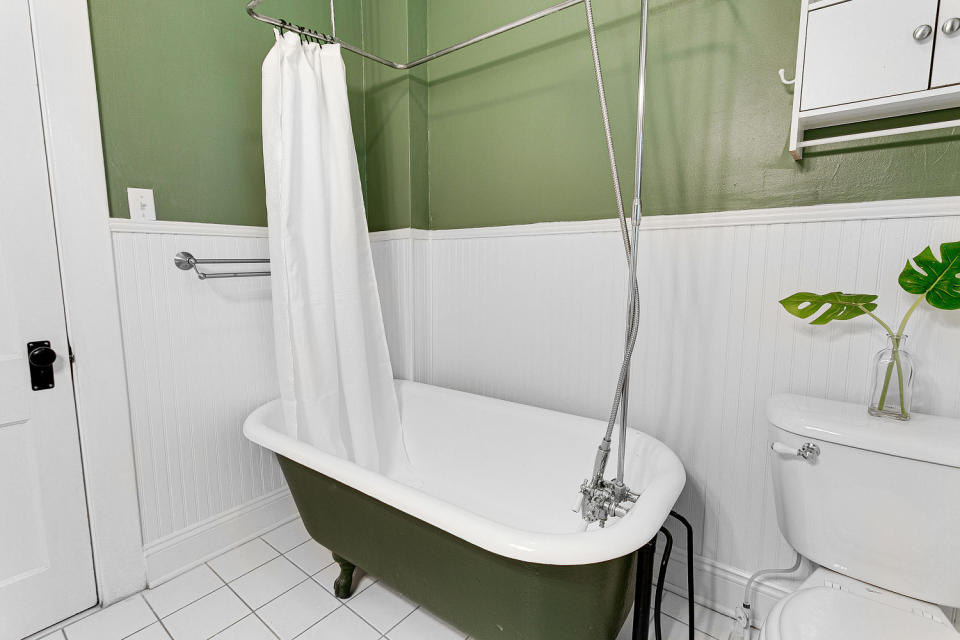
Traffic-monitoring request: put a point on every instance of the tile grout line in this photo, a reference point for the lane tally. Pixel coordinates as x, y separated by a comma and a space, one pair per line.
160, 620
245, 572
277, 549
279, 595
399, 622
254, 613
339, 606
222, 584
270, 545
63, 624
252, 610
365, 621
233, 624
139, 595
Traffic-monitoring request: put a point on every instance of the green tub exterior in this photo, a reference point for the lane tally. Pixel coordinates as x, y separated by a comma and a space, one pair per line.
484, 594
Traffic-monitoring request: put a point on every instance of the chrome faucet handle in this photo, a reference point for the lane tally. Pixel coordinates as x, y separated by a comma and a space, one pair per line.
809, 451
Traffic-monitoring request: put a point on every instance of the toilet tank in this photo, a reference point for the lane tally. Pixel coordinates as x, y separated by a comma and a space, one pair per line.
879, 503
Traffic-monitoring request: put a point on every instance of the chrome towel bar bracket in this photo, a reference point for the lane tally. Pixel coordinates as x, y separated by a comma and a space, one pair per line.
185, 261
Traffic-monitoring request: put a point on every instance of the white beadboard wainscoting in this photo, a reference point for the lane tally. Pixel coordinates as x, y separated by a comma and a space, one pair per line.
199, 358
535, 314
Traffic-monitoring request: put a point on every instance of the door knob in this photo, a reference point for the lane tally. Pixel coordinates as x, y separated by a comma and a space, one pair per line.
951, 26
922, 32
42, 356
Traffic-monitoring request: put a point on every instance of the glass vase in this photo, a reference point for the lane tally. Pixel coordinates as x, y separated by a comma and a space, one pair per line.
892, 388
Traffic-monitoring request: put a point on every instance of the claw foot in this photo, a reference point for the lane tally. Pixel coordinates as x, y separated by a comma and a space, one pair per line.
343, 585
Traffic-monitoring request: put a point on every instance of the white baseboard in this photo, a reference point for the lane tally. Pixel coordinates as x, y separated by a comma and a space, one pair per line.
720, 587
170, 556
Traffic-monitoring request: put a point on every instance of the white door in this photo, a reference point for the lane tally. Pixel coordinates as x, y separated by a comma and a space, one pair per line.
862, 49
46, 564
946, 59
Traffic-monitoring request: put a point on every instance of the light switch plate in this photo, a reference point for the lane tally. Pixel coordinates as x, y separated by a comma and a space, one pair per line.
141, 204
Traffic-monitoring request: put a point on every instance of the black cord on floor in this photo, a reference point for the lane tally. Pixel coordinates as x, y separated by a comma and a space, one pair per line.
661, 578
690, 596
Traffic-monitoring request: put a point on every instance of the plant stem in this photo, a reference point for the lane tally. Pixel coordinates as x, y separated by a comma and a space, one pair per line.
881, 322
896, 342
886, 381
906, 317
896, 337
896, 357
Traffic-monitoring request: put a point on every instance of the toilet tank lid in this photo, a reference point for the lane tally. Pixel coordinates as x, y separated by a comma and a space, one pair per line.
926, 438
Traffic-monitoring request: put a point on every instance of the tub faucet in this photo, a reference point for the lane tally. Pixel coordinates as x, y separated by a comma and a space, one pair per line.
605, 500
602, 499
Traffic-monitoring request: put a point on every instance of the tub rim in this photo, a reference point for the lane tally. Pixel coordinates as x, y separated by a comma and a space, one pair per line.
628, 534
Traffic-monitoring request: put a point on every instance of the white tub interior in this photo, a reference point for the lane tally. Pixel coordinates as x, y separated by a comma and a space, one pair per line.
515, 464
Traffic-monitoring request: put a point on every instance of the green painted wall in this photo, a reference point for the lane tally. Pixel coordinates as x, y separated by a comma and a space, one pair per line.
506, 132
179, 90
515, 134
395, 108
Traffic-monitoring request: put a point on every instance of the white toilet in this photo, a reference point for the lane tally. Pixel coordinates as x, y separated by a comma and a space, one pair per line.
876, 504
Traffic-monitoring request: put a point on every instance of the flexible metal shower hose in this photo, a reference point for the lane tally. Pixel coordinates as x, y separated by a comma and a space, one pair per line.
633, 313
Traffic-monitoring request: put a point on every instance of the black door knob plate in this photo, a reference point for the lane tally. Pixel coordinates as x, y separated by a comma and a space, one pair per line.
41, 357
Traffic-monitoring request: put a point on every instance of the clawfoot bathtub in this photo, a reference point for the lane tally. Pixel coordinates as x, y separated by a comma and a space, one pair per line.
489, 540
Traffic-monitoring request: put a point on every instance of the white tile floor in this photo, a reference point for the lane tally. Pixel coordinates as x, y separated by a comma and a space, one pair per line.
280, 587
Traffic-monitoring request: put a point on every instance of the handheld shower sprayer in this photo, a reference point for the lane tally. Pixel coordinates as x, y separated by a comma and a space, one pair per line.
602, 499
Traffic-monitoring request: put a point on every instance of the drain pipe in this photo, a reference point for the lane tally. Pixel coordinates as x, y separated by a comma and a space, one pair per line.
744, 620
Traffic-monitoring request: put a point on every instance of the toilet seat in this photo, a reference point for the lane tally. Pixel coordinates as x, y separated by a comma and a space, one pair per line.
824, 613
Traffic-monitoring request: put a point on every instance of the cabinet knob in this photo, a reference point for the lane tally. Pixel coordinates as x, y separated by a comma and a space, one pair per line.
951, 26
922, 32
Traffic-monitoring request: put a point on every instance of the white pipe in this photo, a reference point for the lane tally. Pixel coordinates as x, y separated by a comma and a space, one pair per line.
743, 622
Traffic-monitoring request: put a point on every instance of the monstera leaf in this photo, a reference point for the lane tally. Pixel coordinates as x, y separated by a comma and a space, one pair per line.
937, 280
841, 306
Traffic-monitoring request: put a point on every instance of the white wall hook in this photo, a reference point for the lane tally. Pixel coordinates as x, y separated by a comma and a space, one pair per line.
783, 78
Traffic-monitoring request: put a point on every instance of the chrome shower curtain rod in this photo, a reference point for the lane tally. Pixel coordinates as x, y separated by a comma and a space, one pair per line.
333, 39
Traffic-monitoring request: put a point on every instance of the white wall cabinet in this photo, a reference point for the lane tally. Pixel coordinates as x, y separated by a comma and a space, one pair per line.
868, 59
946, 62
862, 49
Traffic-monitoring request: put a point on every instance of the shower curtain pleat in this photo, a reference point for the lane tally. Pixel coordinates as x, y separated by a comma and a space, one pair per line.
336, 382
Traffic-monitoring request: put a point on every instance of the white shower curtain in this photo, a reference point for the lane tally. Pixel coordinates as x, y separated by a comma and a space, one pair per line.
336, 382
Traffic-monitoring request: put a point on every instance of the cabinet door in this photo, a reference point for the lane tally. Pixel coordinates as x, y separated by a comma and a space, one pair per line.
862, 49
946, 59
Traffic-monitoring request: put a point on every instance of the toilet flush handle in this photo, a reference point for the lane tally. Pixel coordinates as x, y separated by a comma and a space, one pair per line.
809, 451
